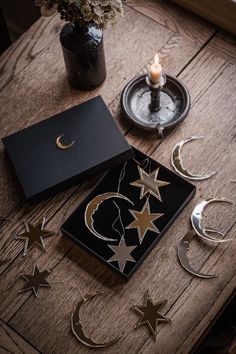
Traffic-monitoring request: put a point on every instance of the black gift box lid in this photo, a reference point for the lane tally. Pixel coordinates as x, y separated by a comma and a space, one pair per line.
44, 169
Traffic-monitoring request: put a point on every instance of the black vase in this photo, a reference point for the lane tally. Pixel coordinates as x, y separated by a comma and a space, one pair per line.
83, 53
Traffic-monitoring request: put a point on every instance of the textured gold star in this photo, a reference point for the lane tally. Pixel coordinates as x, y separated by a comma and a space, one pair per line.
150, 314
34, 236
143, 221
122, 254
35, 280
149, 183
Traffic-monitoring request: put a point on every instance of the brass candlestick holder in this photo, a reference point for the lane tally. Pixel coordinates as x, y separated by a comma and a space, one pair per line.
155, 107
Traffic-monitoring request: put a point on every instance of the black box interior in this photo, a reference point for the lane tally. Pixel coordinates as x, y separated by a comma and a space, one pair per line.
101, 220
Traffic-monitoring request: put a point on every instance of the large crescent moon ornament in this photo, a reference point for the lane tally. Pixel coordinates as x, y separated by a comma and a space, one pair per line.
177, 161
196, 220
93, 206
62, 146
183, 248
78, 329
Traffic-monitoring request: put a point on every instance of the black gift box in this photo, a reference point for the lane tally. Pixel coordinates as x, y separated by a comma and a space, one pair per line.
44, 169
104, 219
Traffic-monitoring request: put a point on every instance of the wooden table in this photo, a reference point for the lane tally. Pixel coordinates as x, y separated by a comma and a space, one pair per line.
34, 86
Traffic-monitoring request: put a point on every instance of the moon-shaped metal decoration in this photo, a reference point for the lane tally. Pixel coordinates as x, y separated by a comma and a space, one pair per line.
93, 206
62, 146
183, 248
177, 161
196, 219
78, 330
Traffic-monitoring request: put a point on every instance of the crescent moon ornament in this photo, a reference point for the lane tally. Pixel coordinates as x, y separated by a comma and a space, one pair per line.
62, 146
93, 206
78, 329
177, 161
183, 248
196, 220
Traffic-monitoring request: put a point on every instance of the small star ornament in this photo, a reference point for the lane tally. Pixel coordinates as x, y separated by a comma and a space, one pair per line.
150, 314
122, 254
149, 183
34, 236
35, 281
144, 221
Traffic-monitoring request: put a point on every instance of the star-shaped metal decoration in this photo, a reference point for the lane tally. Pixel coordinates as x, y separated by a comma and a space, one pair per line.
143, 221
149, 183
35, 280
150, 314
122, 254
34, 236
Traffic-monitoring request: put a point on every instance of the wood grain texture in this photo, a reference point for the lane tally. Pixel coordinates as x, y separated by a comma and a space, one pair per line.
175, 51
174, 18
51, 93
223, 44
57, 248
28, 47
10, 248
12, 343
220, 12
192, 303
160, 272
197, 307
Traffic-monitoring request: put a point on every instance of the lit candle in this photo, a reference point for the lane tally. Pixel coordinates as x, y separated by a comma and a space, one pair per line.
155, 73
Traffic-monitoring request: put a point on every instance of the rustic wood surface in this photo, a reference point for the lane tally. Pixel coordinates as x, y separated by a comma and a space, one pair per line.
11, 342
33, 86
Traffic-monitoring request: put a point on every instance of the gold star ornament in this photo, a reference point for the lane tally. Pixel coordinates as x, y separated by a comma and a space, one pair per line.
35, 281
150, 314
149, 183
34, 236
144, 221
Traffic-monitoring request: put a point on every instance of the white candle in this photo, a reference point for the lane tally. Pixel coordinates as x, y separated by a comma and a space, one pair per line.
155, 73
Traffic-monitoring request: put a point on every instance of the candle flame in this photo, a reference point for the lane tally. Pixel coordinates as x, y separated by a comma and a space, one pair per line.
156, 62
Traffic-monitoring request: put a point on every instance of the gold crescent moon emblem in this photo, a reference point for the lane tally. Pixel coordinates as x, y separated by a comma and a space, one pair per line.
93, 206
177, 161
183, 248
196, 219
62, 146
78, 329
